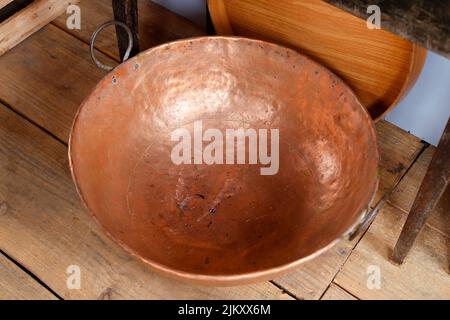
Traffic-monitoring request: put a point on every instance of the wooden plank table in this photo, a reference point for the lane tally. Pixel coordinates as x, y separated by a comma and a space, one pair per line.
16, 284
44, 228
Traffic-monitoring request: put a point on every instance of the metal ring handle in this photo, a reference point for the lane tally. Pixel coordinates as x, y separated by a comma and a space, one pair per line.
368, 217
94, 37
370, 214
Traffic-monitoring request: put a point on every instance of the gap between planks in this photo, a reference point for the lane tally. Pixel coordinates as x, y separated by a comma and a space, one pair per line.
31, 121
336, 286
105, 52
30, 274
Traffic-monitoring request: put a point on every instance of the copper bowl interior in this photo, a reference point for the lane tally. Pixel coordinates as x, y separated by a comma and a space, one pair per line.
222, 223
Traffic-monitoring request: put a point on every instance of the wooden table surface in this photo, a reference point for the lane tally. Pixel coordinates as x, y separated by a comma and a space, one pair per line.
44, 228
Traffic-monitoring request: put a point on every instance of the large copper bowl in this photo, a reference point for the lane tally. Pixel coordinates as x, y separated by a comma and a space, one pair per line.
223, 224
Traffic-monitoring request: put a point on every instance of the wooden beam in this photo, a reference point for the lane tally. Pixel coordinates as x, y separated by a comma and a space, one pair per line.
433, 186
126, 11
29, 20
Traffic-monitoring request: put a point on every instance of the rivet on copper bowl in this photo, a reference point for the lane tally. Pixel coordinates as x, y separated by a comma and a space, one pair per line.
223, 224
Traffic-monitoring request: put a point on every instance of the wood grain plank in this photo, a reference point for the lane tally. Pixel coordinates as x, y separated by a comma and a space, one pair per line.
311, 279
30, 19
126, 11
398, 150
47, 77
157, 25
406, 192
4, 3
334, 292
424, 275
45, 227
15, 284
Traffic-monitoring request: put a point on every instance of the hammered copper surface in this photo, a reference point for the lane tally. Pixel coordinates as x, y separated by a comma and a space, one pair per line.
223, 224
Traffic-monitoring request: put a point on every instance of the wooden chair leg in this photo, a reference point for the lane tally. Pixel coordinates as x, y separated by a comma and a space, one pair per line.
430, 191
126, 11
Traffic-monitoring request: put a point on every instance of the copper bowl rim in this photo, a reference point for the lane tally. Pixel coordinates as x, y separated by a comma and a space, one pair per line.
220, 280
